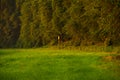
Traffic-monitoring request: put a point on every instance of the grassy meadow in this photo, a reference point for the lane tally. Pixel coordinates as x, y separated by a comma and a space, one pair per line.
55, 64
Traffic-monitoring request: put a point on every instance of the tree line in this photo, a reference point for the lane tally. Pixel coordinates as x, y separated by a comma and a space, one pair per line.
36, 23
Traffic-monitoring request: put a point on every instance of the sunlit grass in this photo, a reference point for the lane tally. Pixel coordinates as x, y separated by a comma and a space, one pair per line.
55, 64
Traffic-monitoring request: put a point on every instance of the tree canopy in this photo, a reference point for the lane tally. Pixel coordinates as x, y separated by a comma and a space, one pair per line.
36, 23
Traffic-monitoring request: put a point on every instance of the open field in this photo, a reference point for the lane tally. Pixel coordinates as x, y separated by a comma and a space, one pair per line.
49, 64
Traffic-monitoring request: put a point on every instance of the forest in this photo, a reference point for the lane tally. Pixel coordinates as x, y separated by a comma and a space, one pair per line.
37, 23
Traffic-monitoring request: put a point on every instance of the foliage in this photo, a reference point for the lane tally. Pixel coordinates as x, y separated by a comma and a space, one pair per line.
9, 23
36, 23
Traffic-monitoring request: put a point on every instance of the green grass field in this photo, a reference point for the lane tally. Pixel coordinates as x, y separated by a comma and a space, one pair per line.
50, 64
